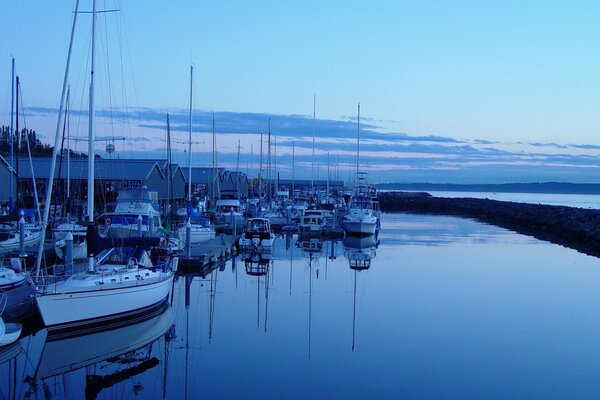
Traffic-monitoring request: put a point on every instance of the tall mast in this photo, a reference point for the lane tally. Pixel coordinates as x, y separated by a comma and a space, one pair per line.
11, 133
327, 194
269, 166
358, 145
90, 191
214, 161
169, 173
18, 138
312, 174
293, 168
189, 197
68, 120
275, 174
260, 181
56, 139
237, 169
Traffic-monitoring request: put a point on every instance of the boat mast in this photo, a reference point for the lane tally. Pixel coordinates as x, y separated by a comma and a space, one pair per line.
293, 168
237, 169
56, 139
260, 181
312, 180
189, 197
91, 155
169, 174
358, 146
269, 165
214, 161
11, 205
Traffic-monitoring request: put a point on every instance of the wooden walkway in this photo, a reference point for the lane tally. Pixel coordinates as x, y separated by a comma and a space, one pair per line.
202, 254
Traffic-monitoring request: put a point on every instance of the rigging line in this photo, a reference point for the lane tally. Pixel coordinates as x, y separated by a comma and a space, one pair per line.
23, 116
108, 75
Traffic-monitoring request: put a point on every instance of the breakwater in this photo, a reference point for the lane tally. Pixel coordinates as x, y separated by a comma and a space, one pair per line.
576, 228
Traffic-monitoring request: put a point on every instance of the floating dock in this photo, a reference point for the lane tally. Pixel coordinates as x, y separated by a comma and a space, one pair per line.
202, 254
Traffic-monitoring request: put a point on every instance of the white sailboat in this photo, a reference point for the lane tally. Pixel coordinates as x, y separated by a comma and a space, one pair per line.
200, 228
119, 282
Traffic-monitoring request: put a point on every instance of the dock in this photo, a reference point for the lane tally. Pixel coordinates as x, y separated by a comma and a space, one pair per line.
575, 228
202, 254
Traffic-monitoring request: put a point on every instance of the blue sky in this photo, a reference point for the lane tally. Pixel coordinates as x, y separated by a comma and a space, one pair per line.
466, 91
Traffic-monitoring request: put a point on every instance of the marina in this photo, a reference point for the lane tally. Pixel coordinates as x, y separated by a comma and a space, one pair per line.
326, 200
319, 311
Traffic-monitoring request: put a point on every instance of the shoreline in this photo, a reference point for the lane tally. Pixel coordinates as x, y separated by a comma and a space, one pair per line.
575, 228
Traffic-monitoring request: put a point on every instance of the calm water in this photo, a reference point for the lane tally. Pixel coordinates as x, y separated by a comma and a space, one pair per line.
554, 199
449, 308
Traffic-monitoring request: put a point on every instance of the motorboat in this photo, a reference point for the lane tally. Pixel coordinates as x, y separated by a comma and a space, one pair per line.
257, 235
360, 219
312, 221
134, 204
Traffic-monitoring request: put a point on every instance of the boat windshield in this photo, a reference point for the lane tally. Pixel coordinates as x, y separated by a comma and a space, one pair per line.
122, 256
361, 202
258, 225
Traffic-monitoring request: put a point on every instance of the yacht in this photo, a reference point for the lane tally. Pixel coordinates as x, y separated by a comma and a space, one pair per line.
257, 235
312, 221
361, 219
133, 203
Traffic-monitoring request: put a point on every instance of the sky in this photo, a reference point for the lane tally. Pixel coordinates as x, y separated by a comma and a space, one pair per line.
461, 91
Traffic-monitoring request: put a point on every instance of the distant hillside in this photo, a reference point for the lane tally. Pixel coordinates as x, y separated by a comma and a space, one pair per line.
542, 187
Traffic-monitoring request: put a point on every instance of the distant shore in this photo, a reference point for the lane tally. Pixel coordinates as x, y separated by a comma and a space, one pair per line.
541, 187
576, 228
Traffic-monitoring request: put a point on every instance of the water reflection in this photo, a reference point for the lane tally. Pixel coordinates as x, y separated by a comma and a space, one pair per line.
359, 252
86, 365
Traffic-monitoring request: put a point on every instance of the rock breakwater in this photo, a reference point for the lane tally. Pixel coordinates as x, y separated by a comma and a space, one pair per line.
576, 228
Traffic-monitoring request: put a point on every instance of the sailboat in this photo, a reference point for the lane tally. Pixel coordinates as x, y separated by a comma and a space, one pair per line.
361, 219
200, 229
120, 282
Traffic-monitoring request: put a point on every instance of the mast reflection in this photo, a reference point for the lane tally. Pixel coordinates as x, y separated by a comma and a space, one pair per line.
360, 252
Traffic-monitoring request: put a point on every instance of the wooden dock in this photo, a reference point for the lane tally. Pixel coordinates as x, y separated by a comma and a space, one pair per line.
221, 248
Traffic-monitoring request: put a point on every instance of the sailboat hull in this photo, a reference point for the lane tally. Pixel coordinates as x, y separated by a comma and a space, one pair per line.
81, 309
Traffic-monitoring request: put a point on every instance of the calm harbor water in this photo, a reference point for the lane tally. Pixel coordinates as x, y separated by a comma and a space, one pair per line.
449, 308
553, 199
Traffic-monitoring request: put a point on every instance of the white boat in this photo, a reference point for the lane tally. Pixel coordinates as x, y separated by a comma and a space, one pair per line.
133, 203
12, 275
78, 232
228, 208
200, 228
120, 282
11, 240
312, 221
360, 219
9, 332
124, 284
257, 235
201, 231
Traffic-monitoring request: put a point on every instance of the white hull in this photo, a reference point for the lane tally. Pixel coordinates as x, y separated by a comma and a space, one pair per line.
14, 243
11, 333
264, 244
71, 309
79, 250
360, 227
198, 234
118, 231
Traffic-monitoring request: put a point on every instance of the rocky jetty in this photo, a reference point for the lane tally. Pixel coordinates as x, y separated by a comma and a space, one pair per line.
576, 228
